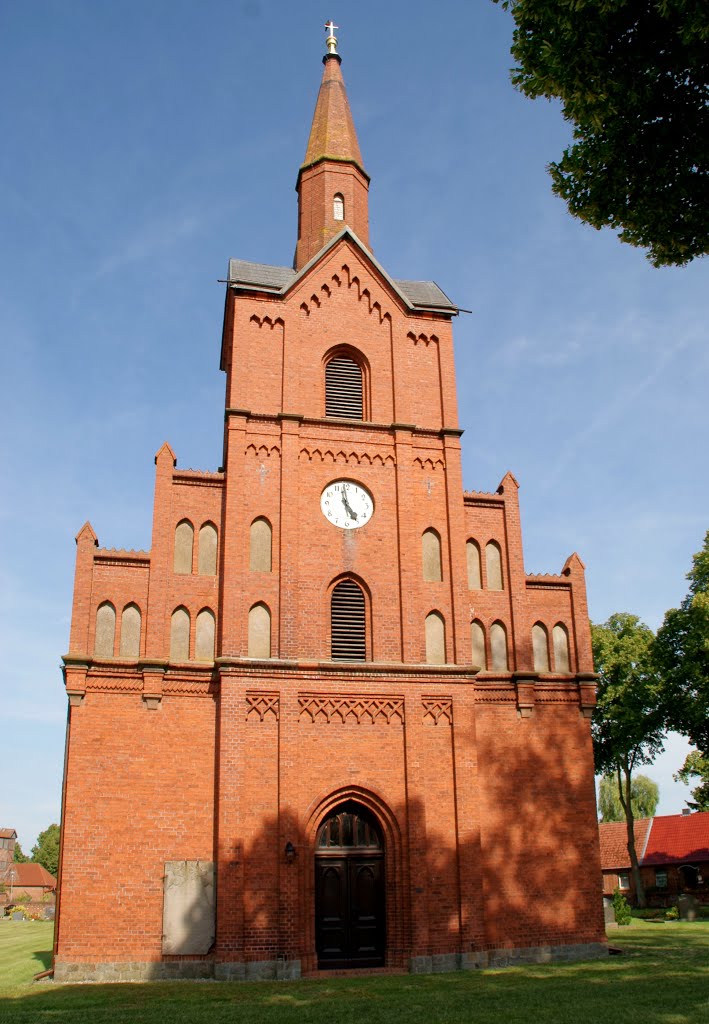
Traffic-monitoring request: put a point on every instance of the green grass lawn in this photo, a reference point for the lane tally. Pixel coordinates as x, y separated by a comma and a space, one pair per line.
661, 978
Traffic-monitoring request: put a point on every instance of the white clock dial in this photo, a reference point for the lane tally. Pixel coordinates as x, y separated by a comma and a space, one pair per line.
347, 504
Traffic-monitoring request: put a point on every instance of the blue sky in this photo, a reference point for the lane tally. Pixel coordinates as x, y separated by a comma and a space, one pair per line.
144, 143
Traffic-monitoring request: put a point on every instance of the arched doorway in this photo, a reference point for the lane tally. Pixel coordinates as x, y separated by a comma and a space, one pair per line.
350, 926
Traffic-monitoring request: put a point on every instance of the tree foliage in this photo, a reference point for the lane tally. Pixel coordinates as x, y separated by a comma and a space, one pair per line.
682, 654
696, 766
46, 849
627, 726
18, 856
632, 77
644, 798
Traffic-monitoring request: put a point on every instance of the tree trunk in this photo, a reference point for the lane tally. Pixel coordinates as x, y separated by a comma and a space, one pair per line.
627, 806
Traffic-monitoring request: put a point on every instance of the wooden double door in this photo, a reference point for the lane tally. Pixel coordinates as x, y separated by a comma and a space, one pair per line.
349, 892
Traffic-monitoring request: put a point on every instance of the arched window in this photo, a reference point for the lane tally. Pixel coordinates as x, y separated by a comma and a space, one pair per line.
477, 639
338, 207
180, 635
498, 647
207, 564
130, 632
560, 639
184, 539
493, 561
472, 551
348, 636
204, 636
540, 647
344, 392
431, 550
259, 632
435, 639
260, 546
105, 630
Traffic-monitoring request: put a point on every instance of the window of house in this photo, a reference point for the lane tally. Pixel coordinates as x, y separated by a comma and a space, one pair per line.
207, 564
661, 879
493, 564
184, 539
344, 393
260, 545
348, 638
431, 552
338, 207
624, 880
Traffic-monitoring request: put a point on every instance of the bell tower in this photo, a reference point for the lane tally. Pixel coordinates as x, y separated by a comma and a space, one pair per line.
332, 184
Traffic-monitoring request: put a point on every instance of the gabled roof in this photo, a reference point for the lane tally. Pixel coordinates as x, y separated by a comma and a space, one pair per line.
8, 833
415, 295
32, 874
678, 839
614, 843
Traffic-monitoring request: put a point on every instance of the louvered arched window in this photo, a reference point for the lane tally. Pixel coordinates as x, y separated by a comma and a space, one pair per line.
344, 392
338, 206
348, 634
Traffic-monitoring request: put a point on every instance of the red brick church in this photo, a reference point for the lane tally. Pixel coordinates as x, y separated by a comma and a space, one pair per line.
327, 721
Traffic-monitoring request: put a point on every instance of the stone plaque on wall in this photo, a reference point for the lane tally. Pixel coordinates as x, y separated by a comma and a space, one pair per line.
188, 906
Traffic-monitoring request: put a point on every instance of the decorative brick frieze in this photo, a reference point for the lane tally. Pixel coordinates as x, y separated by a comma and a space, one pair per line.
262, 704
438, 708
341, 708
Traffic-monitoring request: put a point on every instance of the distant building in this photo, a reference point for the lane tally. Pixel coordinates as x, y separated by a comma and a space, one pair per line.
328, 720
8, 839
32, 880
673, 854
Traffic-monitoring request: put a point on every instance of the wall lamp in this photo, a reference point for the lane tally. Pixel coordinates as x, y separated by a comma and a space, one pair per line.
290, 853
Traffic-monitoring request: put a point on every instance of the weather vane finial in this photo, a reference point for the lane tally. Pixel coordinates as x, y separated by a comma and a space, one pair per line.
331, 41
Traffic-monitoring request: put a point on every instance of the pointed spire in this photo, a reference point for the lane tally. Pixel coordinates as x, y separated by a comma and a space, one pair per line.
332, 183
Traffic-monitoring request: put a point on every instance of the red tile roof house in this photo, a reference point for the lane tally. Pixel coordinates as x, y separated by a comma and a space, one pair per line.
673, 852
8, 838
30, 879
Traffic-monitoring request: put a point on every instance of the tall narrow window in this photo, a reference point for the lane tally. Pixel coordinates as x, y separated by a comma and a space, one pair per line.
260, 546
540, 647
338, 207
184, 539
498, 647
561, 648
180, 635
435, 639
348, 613
208, 550
259, 632
105, 630
204, 636
472, 551
431, 550
130, 632
477, 638
343, 388
493, 564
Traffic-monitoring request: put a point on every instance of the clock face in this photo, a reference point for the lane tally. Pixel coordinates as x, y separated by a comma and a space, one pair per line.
346, 504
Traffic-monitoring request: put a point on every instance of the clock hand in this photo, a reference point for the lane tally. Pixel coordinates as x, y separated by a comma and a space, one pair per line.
352, 514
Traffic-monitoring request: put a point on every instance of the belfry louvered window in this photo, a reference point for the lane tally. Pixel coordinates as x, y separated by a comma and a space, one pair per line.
348, 638
343, 388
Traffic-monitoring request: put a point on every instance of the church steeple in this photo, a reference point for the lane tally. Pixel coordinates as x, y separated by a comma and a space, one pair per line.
332, 183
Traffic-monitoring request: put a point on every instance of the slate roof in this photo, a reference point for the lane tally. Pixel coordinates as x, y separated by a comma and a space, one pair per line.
667, 839
276, 280
678, 839
33, 874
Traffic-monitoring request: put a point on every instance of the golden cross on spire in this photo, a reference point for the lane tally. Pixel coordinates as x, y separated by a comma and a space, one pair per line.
331, 41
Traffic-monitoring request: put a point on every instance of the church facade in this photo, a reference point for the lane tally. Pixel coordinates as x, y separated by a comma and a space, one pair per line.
327, 721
